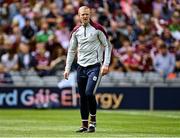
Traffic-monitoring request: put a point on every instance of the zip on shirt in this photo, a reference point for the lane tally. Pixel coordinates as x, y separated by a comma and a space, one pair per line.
84, 31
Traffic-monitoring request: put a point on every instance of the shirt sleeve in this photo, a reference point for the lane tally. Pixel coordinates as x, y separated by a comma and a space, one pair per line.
156, 64
172, 63
71, 52
108, 48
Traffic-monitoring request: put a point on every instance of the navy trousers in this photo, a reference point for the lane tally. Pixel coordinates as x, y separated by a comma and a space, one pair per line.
87, 80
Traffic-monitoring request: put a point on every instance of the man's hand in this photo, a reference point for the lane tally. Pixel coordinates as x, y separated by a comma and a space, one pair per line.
104, 70
66, 75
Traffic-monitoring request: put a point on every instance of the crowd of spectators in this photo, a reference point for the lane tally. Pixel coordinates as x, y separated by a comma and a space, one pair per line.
34, 34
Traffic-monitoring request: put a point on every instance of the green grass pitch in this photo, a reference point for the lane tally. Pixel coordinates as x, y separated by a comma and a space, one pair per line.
110, 123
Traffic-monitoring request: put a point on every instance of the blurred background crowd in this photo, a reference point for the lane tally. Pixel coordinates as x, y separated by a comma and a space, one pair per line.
34, 35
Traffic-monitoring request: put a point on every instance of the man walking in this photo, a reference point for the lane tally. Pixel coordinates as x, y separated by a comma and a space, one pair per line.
90, 41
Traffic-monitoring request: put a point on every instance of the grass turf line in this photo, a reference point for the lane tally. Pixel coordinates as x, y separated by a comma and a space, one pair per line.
110, 123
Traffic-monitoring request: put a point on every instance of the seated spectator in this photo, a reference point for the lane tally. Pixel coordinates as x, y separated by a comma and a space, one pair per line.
42, 57
14, 8
142, 50
9, 60
25, 59
58, 60
44, 34
5, 77
116, 65
114, 34
121, 51
130, 33
3, 13
131, 60
52, 15
143, 25
156, 43
166, 11
164, 62
16, 34
174, 27
62, 34
68, 15
28, 31
20, 18
2, 41
167, 37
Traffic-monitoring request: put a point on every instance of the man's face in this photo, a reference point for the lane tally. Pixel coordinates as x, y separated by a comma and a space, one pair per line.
84, 15
163, 51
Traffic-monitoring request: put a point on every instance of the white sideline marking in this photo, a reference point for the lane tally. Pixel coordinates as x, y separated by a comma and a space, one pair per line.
147, 113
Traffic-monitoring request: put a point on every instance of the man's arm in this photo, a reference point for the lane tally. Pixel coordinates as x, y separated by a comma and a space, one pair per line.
70, 55
107, 57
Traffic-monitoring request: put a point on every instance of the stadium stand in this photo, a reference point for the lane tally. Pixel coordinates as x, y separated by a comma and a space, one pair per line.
34, 38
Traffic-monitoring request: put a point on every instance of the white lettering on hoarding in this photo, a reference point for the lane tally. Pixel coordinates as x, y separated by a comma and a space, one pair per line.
104, 100
26, 97
29, 97
9, 98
